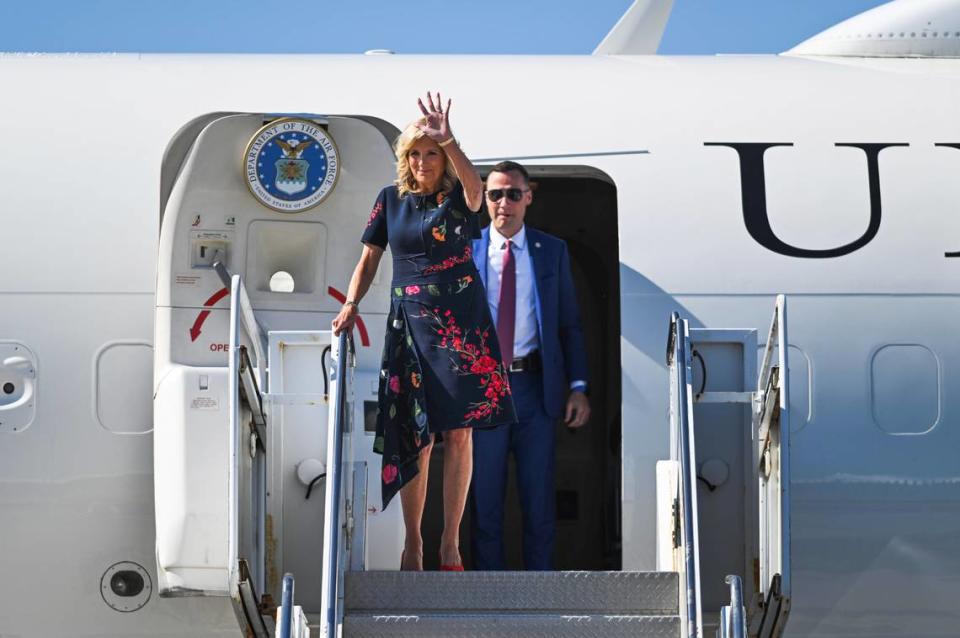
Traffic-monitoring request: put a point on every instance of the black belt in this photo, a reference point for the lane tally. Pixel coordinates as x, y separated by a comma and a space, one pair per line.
529, 363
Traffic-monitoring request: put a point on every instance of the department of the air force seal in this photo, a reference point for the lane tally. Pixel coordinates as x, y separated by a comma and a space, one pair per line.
291, 165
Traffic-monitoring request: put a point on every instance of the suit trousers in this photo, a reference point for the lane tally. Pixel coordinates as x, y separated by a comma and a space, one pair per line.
532, 442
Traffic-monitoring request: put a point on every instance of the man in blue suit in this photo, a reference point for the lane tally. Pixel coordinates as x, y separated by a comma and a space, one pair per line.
533, 302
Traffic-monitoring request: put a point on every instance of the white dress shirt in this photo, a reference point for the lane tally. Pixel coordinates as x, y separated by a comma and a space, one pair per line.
525, 333
525, 339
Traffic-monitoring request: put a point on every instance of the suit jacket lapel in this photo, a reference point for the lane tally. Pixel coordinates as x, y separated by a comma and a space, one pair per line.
538, 262
480, 255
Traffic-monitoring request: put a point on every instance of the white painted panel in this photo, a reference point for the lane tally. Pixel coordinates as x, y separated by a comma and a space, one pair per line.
191, 446
123, 387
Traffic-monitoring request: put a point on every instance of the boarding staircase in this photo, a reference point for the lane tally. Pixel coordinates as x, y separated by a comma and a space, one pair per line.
397, 604
358, 603
509, 604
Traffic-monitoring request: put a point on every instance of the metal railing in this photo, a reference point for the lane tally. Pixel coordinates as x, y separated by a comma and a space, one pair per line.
332, 558
285, 617
685, 452
772, 433
248, 320
733, 617
775, 339
239, 375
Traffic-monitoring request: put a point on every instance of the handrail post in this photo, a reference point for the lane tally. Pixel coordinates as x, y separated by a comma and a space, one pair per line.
334, 488
784, 344
252, 327
285, 621
736, 617
233, 366
688, 480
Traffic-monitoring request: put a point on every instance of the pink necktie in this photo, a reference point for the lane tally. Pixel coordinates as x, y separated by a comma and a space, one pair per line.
507, 312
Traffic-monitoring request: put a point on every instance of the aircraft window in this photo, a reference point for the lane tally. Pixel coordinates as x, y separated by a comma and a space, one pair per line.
9, 388
282, 281
905, 389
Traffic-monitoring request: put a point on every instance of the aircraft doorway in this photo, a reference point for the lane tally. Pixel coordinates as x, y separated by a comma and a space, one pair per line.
579, 205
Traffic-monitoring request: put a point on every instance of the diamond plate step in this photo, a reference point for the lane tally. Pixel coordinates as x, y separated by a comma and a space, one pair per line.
509, 626
600, 593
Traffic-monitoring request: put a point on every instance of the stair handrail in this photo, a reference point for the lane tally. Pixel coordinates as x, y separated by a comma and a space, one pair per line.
772, 379
332, 563
678, 357
775, 340
773, 394
285, 617
733, 617
248, 319
236, 361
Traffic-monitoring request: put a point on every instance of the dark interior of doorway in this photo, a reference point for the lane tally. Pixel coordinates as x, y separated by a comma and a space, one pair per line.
579, 205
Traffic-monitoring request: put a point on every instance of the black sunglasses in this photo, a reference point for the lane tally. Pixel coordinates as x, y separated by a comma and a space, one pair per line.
513, 194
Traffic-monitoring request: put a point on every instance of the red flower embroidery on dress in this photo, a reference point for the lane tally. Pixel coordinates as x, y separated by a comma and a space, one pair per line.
377, 209
450, 262
395, 384
483, 365
389, 473
471, 359
412, 290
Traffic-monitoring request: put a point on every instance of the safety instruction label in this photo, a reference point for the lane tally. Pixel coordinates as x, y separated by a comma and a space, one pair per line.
187, 280
205, 403
210, 235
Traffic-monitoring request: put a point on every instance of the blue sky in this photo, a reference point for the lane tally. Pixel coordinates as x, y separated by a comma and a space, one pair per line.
426, 26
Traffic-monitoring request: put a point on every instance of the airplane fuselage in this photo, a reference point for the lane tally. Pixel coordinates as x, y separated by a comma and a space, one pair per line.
736, 178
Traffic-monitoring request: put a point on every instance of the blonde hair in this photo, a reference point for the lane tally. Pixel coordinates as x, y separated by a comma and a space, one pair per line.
405, 181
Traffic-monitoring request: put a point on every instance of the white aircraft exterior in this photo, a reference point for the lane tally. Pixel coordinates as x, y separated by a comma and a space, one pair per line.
702, 185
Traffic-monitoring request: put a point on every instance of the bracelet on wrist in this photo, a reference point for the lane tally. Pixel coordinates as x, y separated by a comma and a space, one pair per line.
351, 302
447, 142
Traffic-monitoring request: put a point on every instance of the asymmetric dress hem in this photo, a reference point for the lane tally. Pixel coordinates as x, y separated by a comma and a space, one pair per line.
441, 367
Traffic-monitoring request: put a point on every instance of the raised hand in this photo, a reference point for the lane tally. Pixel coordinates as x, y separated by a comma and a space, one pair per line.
437, 126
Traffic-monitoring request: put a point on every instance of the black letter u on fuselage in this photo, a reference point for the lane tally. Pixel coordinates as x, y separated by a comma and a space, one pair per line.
754, 194
956, 146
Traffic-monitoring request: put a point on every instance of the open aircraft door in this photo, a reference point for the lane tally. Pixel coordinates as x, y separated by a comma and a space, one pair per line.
771, 436
259, 235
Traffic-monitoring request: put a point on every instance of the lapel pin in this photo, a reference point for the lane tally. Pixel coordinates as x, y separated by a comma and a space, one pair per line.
537, 244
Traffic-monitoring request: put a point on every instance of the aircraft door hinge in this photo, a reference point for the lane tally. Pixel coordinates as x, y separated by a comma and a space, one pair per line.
348, 524
676, 523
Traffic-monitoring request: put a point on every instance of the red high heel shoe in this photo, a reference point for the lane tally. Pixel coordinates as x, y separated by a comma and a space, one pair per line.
450, 568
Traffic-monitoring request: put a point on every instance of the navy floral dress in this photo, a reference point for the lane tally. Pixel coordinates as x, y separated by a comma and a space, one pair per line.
441, 367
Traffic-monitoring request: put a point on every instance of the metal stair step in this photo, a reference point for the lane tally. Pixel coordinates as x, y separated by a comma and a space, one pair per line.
499, 625
609, 593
